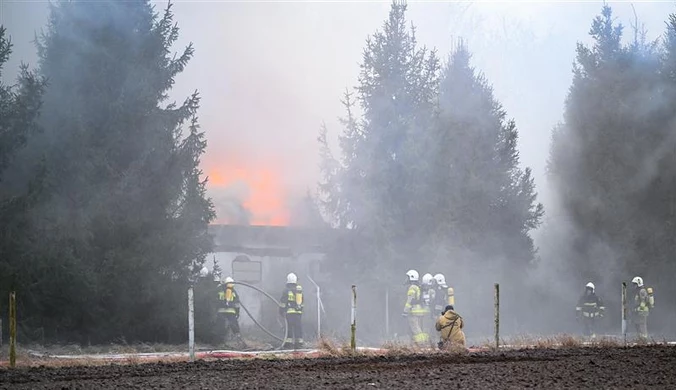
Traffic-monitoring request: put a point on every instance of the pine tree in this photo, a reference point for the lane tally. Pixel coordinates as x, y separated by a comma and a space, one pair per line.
124, 220
379, 187
610, 127
329, 188
19, 111
19, 107
487, 201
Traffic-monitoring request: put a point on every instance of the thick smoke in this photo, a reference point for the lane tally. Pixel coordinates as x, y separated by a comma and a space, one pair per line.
266, 94
229, 203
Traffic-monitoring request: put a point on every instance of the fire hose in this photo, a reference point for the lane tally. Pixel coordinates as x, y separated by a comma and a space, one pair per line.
286, 325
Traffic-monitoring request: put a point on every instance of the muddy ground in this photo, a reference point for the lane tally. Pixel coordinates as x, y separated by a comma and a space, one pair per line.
638, 367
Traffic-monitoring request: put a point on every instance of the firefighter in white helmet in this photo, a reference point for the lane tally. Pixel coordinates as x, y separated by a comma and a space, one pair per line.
644, 301
427, 292
292, 308
413, 309
443, 296
228, 311
590, 310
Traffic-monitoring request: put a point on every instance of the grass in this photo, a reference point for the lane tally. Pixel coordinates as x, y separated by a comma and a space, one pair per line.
26, 358
564, 341
327, 346
339, 348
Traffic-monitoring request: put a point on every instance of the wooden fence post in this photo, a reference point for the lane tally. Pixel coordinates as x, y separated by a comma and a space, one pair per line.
12, 329
353, 326
497, 315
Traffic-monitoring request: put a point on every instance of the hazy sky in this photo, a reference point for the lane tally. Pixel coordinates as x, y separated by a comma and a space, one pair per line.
271, 72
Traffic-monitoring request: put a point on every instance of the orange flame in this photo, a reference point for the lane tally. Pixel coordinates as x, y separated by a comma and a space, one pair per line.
264, 198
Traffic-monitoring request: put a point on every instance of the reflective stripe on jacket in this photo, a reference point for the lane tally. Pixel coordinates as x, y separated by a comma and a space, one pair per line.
641, 304
413, 301
229, 300
292, 299
590, 305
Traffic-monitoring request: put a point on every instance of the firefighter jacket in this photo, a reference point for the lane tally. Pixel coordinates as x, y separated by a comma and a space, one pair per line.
643, 301
292, 299
427, 296
413, 304
590, 305
450, 324
443, 296
229, 300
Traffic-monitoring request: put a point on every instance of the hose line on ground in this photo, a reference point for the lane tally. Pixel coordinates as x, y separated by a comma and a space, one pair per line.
241, 304
286, 325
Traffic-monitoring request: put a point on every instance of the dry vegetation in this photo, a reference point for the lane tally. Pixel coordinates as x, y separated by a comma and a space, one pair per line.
36, 356
28, 358
567, 341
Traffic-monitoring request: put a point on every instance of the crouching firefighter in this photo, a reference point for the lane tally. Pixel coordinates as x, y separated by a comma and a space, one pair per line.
450, 324
414, 311
292, 308
590, 310
228, 312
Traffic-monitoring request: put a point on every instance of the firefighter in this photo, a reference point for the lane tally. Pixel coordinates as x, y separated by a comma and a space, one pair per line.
292, 308
643, 303
228, 311
451, 325
427, 292
589, 310
443, 295
413, 309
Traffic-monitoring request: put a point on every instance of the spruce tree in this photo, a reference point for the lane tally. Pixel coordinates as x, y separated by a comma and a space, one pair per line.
19, 112
611, 126
123, 223
380, 184
486, 202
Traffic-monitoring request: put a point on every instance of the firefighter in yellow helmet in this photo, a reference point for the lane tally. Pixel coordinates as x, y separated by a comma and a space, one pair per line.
292, 308
589, 310
228, 311
644, 301
451, 325
413, 309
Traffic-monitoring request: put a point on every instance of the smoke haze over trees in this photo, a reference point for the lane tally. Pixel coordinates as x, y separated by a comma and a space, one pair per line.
120, 216
613, 158
428, 175
428, 167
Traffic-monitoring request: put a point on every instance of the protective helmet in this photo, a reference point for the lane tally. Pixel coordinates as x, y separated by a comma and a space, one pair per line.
412, 275
590, 285
228, 280
427, 279
204, 272
441, 280
291, 278
638, 281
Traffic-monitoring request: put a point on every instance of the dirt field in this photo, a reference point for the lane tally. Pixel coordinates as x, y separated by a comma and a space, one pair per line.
639, 367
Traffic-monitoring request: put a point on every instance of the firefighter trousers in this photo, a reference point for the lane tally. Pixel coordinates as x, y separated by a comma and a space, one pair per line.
230, 325
589, 324
415, 324
641, 325
295, 330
